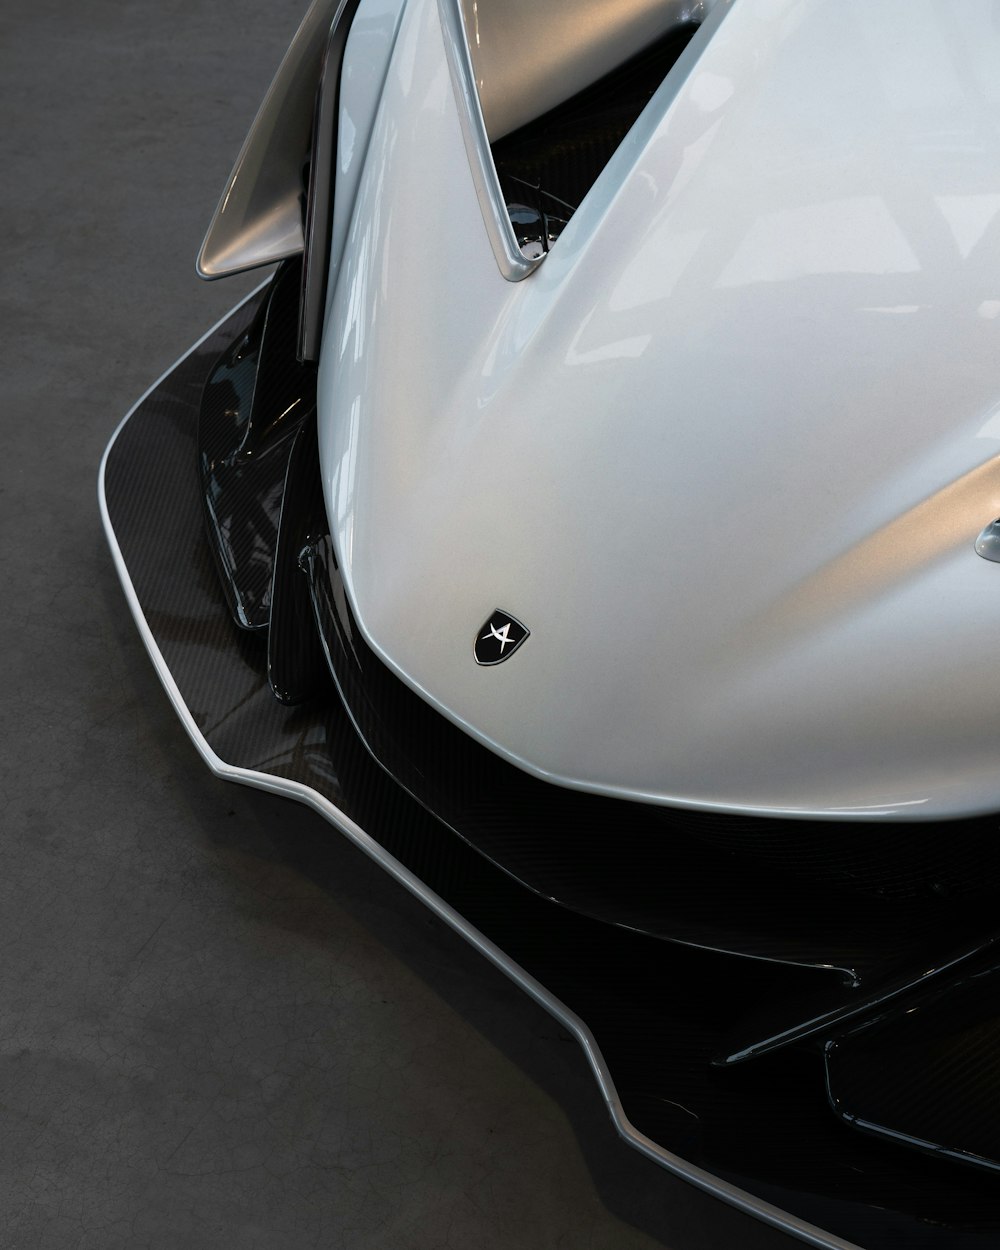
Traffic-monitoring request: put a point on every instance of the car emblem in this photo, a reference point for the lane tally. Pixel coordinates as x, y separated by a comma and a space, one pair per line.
498, 638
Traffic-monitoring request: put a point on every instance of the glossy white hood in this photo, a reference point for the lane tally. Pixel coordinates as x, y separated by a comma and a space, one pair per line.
726, 452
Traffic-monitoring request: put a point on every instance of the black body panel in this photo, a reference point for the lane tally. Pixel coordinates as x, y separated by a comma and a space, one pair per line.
661, 1013
928, 1075
296, 666
255, 398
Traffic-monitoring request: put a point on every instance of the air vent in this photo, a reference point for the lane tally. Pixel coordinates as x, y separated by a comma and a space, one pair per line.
547, 166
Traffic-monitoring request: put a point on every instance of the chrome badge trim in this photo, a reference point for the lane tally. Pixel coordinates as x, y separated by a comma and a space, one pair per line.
498, 638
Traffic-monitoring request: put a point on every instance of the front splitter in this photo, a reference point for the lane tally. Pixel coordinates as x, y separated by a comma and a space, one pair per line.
649, 1015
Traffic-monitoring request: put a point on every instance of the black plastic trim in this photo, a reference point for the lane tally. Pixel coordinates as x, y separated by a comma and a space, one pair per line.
254, 399
927, 1074
296, 666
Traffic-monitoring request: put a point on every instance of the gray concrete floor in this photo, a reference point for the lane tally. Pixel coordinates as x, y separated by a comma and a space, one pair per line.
220, 1026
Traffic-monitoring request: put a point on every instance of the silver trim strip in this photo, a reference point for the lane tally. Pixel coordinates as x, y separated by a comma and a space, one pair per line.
703, 1180
514, 265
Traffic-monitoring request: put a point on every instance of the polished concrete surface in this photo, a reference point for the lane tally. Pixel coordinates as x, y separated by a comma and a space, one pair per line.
221, 1025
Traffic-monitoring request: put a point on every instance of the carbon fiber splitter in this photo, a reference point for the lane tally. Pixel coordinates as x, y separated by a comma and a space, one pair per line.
654, 1016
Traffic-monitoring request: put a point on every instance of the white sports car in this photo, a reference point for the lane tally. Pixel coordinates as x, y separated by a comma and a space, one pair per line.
595, 517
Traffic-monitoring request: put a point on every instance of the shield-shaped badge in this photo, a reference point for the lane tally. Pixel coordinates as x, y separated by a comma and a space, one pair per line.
498, 638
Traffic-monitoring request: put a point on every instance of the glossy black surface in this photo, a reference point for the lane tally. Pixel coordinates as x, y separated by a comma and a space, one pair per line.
296, 666
255, 397
537, 222
928, 1074
659, 1011
773, 1025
